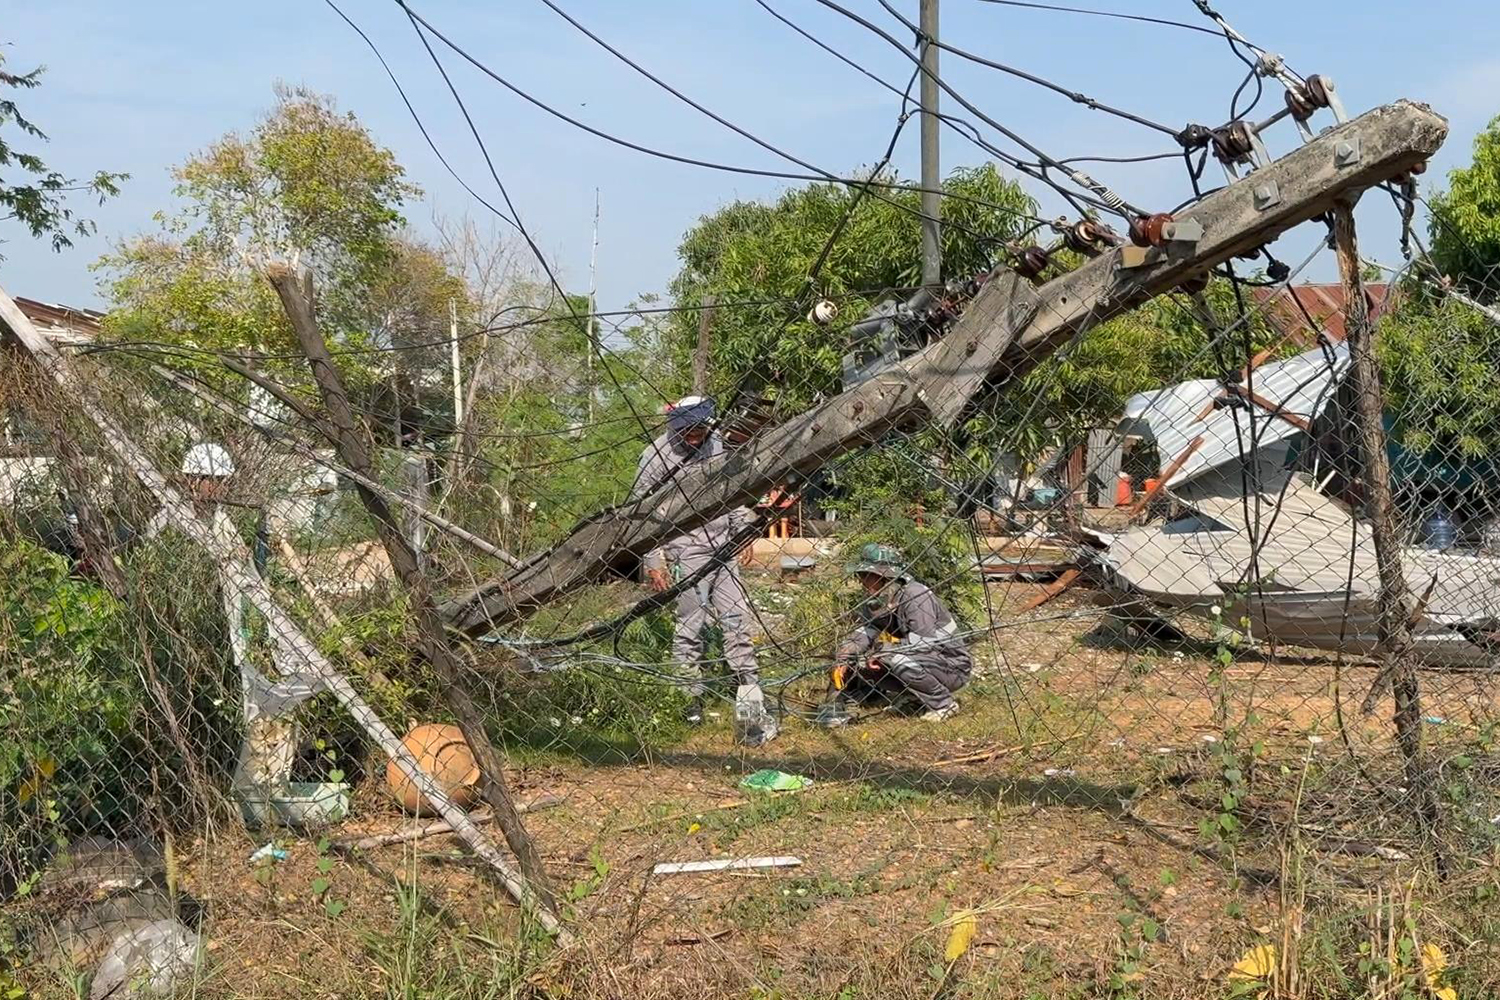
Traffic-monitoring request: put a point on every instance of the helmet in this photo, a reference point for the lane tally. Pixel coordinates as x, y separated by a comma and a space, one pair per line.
689, 411
882, 560
209, 461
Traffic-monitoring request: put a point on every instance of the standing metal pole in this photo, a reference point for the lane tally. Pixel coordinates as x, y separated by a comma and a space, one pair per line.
593, 306
932, 177
458, 385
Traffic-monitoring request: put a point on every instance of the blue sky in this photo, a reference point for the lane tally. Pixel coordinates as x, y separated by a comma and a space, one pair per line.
137, 86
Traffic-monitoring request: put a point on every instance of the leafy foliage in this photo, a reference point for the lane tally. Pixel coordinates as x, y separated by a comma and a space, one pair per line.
1465, 222
1438, 363
308, 185
66, 705
750, 252
1438, 356
565, 430
39, 201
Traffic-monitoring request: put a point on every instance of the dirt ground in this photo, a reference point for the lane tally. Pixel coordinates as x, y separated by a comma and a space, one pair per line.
1069, 810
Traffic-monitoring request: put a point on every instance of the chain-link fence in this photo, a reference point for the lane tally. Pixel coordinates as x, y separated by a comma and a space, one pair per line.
1116, 668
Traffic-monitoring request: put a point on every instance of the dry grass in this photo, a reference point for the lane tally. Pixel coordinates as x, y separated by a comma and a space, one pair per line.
1063, 809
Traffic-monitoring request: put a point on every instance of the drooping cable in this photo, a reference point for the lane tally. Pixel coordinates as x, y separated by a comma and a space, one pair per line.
1021, 74
1104, 195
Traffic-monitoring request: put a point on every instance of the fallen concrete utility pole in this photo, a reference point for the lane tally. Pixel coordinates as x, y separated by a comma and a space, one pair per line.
1007, 330
233, 562
353, 444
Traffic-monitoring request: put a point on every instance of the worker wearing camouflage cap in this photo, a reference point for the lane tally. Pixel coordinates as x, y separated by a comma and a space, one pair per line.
690, 440
907, 646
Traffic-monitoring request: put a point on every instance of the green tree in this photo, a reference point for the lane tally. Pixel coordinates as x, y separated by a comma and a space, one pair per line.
1465, 221
1438, 356
751, 252
565, 430
308, 184
38, 201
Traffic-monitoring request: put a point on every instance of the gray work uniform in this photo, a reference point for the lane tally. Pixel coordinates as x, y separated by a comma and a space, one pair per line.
719, 595
929, 660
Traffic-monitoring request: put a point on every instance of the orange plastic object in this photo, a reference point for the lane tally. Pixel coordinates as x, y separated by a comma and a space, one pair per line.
1151, 484
1123, 492
442, 752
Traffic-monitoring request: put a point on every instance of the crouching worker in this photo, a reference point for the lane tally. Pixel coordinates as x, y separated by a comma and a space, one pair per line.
907, 648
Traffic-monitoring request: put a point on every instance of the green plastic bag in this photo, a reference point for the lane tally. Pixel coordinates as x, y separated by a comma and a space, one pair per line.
774, 781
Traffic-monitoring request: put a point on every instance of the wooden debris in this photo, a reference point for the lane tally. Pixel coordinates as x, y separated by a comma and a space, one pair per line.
421, 831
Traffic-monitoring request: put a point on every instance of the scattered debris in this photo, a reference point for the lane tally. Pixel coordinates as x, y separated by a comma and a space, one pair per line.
965, 926
723, 864
701, 938
1257, 963
419, 831
98, 864
147, 961
769, 780
271, 851
301, 805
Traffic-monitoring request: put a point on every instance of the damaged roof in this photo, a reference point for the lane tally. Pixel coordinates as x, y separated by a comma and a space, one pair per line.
1202, 425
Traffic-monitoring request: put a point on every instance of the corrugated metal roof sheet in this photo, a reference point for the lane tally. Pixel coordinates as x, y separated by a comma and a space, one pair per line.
60, 322
1282, 398
1324, 303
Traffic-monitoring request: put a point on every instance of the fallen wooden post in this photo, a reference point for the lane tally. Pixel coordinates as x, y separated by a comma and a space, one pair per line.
1052, 590
353, 445
1397, 646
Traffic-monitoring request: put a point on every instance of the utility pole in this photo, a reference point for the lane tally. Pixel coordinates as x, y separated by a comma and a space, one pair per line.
1005, 331
932, 175
1397, 610
593, 306
701, 355
458, 386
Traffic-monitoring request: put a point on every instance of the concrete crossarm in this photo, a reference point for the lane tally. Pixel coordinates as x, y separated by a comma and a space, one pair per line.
1007, 330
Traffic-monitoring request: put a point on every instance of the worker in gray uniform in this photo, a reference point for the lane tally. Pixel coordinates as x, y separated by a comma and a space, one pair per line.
907, 645
719, 595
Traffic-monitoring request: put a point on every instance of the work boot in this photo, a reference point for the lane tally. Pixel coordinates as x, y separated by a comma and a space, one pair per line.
833, 713
943, 714
692, 712
760, 733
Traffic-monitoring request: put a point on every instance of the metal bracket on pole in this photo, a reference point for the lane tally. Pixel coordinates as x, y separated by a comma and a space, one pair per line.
1182, 231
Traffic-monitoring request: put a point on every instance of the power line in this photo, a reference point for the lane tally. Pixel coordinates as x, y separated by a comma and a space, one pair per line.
961, 126
1107, 199
820, 174
1106, 13
1072, 95
417, 118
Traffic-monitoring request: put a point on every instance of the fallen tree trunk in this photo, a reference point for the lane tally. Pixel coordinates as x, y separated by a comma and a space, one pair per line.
353, 446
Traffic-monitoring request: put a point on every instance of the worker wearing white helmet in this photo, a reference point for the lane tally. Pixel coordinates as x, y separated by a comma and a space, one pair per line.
719, 595
271, 736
